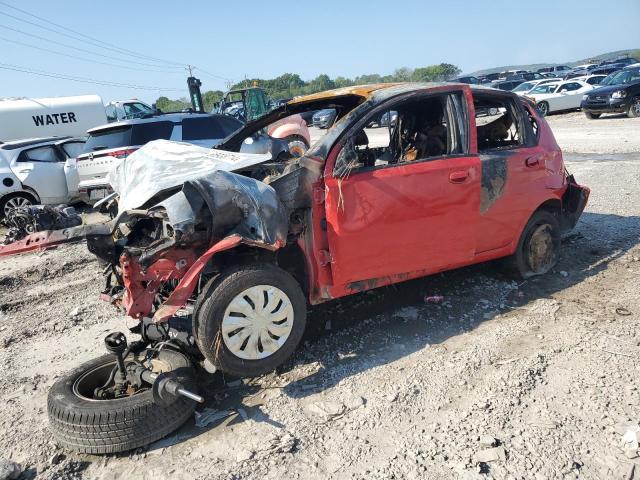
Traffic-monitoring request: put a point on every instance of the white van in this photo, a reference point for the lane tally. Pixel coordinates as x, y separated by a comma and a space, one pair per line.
63, 116
50, 117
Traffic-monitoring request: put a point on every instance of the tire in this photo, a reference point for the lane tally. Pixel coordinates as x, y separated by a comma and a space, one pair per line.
108, 426
297, 145
543, 108
13, 200
246, 355
634, 108
592, 116
538, 248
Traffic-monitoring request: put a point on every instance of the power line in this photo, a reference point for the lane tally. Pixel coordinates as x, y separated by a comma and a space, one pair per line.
66, 45
82, 58
88, 39
212, 75
61, 76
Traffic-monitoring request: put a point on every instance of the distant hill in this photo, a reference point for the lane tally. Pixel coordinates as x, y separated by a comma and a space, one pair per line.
633, 52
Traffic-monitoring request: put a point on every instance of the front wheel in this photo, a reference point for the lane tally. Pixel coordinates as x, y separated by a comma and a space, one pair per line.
634, 108
12, 201
543, 108
538, 248
252, 320
592, 116
85, 424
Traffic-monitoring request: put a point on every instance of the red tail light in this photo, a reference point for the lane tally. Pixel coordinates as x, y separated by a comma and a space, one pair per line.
121, 153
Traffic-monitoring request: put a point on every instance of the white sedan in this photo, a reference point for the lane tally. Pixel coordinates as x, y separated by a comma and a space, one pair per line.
558, 96
526, 87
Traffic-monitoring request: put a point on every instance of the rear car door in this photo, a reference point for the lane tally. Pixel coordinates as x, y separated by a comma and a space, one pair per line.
42, 169
392, 210
514, 168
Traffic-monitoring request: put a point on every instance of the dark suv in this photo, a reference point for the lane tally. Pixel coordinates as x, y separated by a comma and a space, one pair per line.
618, 93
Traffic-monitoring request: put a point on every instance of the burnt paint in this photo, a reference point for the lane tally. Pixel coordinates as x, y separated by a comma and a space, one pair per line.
493, 178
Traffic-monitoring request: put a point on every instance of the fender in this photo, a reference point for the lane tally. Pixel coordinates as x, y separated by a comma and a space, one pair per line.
293, 125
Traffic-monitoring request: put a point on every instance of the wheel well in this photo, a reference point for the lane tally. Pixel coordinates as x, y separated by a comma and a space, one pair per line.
26, 191
290, 259
552, 205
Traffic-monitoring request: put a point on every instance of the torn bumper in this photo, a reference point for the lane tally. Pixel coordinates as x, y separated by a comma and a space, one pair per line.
574, 200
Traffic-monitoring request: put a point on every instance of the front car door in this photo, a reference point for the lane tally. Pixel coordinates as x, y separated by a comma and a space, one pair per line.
403, 200
42, 169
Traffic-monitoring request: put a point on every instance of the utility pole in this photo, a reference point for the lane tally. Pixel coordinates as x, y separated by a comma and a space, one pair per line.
189, 67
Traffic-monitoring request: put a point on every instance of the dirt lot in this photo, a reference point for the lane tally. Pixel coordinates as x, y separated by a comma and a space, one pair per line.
533, 380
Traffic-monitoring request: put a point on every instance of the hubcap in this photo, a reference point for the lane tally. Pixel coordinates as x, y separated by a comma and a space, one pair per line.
541, 255
636, 108
257, 322
297, 148
543, 108
14, 203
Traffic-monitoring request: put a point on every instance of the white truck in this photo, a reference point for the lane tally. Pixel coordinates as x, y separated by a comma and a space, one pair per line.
62, 116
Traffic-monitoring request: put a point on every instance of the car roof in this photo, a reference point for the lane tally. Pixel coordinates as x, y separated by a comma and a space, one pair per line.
27, 142
381, 91
164, 117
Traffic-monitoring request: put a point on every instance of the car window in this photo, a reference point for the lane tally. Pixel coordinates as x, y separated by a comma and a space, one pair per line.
73, 149
569, 87
497, 123
108, 138
40, 154
136, 110
204, 128
546, 88
146, 132
524, 87
413, 131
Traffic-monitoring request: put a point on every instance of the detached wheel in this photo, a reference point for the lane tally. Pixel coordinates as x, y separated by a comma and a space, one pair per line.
538, 248
543, 108
634, 108
81, 423
592, 116
297, 146
252, 320
13, 201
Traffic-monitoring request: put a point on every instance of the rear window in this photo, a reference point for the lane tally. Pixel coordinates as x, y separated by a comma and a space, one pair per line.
204, 128
146, 132
110, 138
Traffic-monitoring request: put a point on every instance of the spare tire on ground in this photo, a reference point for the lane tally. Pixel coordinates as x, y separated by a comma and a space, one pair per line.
86, 425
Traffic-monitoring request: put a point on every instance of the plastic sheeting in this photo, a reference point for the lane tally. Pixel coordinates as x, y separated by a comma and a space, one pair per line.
162, 164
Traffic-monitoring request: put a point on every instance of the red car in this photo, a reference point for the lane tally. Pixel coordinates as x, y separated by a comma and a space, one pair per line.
465, 175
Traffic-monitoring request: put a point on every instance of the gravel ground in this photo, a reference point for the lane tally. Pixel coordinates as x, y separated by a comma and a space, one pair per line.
533, 380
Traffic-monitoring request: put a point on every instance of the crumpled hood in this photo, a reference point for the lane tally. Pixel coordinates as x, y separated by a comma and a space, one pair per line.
162, 164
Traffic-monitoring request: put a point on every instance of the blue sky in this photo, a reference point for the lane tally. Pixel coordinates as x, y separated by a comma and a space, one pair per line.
265, 39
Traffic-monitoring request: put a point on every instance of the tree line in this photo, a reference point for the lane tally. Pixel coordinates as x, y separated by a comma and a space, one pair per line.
290, 85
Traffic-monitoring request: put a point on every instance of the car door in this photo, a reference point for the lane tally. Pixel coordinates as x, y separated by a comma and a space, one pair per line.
387, 216
570, 95
42, 169
513, 166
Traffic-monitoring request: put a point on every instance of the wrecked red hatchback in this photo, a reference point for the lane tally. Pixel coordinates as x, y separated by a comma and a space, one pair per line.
458, 175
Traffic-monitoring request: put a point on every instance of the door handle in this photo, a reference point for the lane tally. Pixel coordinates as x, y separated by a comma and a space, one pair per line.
458, 176
532, 161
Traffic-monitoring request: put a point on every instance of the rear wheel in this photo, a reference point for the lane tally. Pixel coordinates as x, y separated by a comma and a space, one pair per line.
12, 201
252, 320
85, 424
592, 116
538, 248
634, 108
543, 108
